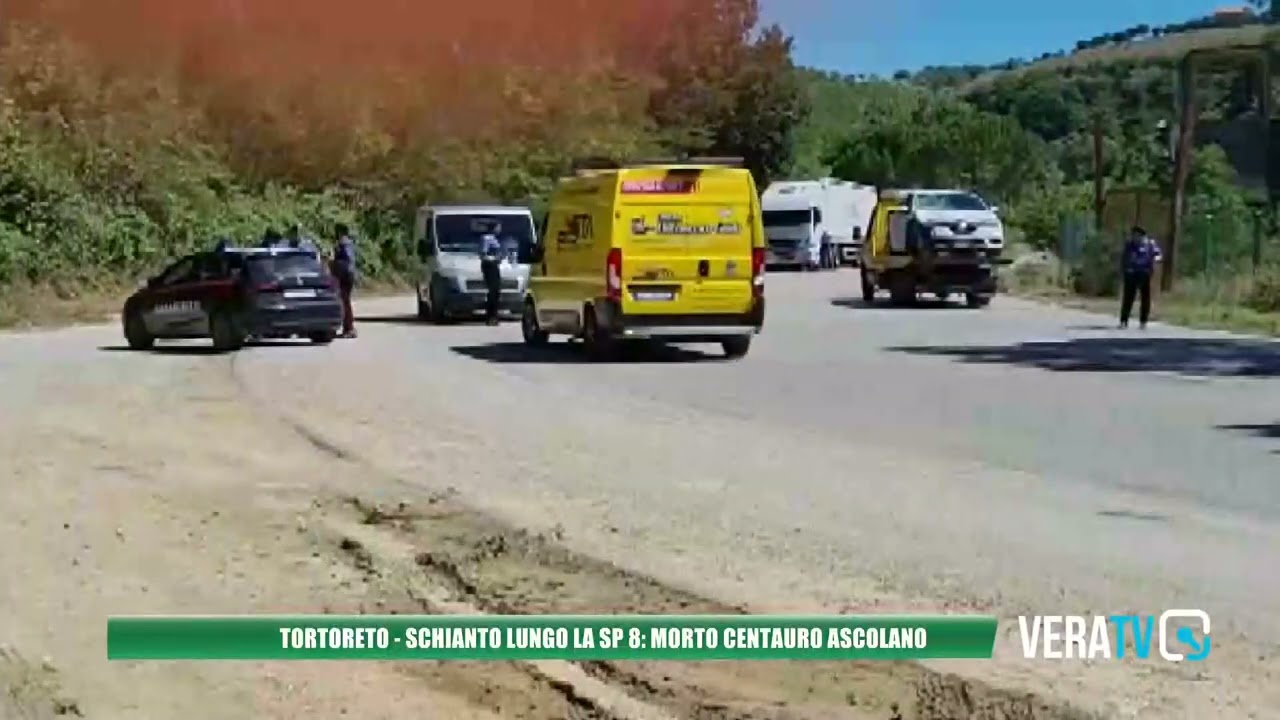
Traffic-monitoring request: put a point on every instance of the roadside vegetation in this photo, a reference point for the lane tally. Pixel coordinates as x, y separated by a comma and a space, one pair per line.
122, 147
134, 132
1026, 139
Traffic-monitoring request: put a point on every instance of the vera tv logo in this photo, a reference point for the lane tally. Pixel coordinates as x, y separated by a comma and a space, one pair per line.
1082, 637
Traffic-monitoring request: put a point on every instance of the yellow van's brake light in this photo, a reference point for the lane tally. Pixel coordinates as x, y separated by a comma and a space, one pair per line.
613, 275
757, 272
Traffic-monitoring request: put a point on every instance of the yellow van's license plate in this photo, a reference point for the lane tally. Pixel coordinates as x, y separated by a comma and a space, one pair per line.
653, 295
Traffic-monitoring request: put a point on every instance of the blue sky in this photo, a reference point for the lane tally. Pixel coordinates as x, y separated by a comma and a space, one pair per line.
857, 36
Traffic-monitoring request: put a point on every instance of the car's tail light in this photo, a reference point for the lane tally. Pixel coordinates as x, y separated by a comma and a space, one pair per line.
268, 287
757, 271
613, 274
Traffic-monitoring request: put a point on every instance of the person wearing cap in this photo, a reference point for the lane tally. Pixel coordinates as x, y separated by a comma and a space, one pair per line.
1138, 263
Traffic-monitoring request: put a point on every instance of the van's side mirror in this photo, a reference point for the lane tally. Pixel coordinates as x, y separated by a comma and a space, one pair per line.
857, 233
424, 248
995, 208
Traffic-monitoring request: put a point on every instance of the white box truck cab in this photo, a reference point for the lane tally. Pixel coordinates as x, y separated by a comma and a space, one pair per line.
450, 283
815, 224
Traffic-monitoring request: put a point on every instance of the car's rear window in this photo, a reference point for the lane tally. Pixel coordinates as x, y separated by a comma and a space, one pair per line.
276, 267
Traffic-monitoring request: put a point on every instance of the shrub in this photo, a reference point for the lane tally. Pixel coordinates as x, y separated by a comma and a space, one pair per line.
1264, 292
1098, 272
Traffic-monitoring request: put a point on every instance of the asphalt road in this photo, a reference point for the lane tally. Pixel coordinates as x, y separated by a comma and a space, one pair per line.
1014, 459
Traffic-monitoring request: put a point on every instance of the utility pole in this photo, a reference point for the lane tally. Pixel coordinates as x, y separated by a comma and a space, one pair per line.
1181, 166
1099, 187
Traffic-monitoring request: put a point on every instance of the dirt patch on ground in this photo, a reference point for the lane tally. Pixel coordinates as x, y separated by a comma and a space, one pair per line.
151, 484
475, 560
32, 690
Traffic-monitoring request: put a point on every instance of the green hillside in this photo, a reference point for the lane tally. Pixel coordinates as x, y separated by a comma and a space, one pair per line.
1024, 138
1164, 48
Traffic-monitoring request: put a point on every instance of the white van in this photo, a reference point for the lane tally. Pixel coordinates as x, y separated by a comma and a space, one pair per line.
450, 283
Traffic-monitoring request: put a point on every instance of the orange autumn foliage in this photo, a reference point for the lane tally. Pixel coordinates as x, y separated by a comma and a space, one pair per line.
309, 91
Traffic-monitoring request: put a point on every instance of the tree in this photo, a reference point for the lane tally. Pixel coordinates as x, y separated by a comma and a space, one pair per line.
729, 90
769, 105
943, 142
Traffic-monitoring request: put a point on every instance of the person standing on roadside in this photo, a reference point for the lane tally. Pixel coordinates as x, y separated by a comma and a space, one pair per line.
344, 270
491, 269
1138, 263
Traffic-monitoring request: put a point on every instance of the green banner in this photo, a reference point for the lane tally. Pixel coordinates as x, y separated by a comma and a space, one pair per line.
544, 637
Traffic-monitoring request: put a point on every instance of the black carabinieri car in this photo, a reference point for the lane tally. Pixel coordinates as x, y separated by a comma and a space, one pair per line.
233, 294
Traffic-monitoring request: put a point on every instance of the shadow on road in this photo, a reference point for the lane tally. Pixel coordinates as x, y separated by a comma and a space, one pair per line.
517, 353
1270, 431
857, 303
1266, 431
1185, 356
196, 348
1090, 328
188, 350
407, 319
411, 319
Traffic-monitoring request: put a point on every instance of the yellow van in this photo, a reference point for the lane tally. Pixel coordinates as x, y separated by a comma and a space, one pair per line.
659, 251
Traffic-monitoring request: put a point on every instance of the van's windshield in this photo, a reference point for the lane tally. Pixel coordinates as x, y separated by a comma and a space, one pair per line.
462, 233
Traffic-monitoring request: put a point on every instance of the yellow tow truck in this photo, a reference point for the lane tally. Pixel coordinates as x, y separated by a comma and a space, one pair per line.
941, 242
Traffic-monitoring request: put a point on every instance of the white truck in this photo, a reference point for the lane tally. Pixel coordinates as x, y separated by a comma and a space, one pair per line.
814, 224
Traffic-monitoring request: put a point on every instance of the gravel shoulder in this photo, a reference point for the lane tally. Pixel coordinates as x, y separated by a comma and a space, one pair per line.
401, 472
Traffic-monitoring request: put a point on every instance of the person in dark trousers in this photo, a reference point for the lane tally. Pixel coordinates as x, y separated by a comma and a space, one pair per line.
490, 267
344, 270
1138, 263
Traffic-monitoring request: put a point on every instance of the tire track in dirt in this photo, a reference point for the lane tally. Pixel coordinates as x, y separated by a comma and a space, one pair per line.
512, 691
475, 561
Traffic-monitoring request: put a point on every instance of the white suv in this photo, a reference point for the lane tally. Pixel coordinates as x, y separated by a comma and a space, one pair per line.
957, 219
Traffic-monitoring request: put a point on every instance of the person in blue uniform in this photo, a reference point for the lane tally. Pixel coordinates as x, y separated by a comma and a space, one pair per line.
491, 269
344, 269
1138, 263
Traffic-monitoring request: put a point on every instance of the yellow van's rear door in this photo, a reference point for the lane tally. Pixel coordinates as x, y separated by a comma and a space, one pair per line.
687, 238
